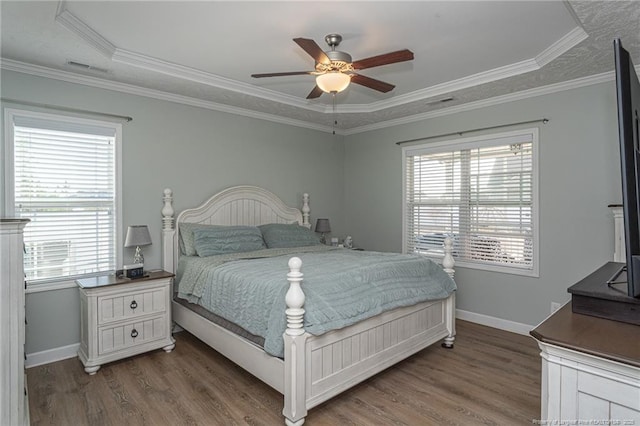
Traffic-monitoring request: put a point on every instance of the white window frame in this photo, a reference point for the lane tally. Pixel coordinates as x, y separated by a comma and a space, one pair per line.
10, 116
470, 143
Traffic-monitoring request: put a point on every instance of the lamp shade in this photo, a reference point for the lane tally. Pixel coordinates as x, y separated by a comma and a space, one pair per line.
322, 225
137, 235
334, 81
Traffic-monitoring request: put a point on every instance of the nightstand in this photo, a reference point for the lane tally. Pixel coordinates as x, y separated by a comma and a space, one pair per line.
121, 317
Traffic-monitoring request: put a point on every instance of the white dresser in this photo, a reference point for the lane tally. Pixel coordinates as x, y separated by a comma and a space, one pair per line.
122, 317
590, 370
14, 404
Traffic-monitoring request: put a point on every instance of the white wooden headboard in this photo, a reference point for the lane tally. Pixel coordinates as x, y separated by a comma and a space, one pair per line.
238, 205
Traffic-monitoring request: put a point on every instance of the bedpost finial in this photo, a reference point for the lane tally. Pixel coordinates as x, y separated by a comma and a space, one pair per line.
448, 262
295, 264
295, 299
305, 211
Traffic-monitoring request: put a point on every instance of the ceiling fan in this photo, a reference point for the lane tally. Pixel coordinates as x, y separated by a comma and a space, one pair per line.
334, 70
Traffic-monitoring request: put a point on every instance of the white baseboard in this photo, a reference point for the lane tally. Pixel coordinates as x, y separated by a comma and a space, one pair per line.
71, 351
51, 355
502, 324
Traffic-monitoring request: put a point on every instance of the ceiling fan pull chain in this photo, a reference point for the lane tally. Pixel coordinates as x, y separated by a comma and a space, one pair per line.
335, 118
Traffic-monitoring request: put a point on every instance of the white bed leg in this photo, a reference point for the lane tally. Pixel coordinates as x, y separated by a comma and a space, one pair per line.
450, 321
295, 409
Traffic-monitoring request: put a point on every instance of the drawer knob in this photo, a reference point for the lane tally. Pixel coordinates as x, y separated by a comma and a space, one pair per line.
133, 304
134, 333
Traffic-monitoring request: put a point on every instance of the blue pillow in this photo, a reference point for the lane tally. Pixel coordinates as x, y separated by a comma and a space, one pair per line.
214, 240
187, 246
283, 235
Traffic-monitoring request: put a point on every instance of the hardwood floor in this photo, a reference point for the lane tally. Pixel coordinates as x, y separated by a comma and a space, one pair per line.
491, 377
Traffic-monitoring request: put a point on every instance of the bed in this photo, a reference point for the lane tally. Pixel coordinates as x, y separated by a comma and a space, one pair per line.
312, 368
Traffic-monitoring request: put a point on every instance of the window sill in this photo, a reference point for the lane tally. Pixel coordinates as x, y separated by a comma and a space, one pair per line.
51, 286
498, 269
490, 268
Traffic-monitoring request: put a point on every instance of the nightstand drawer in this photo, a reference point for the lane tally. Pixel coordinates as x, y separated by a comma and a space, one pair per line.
132, 304
123, 336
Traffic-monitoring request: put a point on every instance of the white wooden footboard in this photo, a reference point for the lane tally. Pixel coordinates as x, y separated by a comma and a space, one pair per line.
340, 359
318, 368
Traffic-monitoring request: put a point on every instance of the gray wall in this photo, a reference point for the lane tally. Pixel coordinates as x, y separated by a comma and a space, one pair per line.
355, 181
579, 178
196, 152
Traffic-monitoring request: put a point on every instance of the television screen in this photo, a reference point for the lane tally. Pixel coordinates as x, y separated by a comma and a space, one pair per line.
628, 95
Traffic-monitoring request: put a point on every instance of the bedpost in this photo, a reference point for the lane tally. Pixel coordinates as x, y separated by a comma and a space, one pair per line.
295, 409
305, 211
295, 299
168, 232
448, 264
447, 261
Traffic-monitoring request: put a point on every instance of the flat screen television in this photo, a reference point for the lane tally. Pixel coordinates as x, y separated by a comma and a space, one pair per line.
628, 93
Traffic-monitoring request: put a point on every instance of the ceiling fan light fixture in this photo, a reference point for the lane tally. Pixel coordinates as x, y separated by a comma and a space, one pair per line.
334, 81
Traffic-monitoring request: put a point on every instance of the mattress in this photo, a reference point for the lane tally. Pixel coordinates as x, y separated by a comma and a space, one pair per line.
216, 319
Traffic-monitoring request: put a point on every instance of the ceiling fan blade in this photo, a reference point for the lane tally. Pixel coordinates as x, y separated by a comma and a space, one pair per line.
384, 59
371, 83
315, 93
281, 74
312, 48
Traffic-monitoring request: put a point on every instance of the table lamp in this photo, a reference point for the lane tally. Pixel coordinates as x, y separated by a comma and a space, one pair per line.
138, 235
323, 226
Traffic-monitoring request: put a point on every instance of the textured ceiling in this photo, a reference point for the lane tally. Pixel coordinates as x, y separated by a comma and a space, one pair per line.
204, 52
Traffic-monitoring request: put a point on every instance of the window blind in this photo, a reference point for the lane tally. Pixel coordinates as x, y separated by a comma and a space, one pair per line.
65, 182
480, 193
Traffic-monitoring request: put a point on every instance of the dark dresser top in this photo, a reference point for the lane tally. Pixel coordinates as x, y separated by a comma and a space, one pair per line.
614, 340
112, 279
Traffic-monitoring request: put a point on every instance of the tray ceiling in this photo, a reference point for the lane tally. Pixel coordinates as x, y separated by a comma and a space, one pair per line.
203, 52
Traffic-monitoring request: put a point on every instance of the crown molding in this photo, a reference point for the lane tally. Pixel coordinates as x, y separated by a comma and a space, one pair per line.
116, 54
209, 79
202, 77
570, 40
72, 23
75, 25
566, 43
446, 88
511, 97
40, 71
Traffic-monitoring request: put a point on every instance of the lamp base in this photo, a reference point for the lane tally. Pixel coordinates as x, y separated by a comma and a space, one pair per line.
138, 257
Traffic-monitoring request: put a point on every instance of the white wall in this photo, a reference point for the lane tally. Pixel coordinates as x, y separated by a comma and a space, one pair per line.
579, 177
196, 152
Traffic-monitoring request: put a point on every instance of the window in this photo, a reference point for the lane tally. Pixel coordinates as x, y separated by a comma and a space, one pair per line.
62, 173
482, 192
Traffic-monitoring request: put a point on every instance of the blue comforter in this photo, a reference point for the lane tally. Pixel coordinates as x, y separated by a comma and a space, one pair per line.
341, 287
